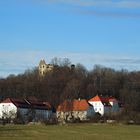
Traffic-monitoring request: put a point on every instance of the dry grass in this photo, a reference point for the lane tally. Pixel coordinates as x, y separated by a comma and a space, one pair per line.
70, 132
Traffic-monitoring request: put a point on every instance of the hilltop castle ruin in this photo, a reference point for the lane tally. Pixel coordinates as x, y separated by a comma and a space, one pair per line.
44, 68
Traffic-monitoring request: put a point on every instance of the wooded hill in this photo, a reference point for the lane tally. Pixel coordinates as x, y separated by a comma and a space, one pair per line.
66, 83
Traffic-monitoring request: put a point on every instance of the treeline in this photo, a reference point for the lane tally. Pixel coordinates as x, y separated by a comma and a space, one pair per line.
66, 82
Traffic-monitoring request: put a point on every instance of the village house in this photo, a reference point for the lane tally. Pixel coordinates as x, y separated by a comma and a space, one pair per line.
104, 105
71, 110
25, 109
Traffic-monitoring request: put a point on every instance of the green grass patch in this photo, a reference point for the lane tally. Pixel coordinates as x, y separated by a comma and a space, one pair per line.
70, 132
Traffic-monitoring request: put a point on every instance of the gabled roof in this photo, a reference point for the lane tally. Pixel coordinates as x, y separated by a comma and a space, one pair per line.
105, 100
112, 99
17, 102
96, 98
40, 105
101, 98
73, 105
24, 103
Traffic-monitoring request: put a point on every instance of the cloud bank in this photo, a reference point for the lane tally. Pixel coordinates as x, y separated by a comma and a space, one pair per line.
17, 62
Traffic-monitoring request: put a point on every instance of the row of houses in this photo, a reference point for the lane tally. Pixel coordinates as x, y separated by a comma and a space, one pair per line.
68, 110
28, 110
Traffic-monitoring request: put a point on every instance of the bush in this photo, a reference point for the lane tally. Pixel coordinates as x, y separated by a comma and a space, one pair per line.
51, 121
96, 118
128, 117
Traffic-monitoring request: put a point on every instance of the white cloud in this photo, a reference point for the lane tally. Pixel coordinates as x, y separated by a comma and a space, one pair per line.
82, 6
99, 3
109, 14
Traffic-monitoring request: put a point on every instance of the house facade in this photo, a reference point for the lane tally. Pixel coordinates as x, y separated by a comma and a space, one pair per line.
104, 105
25, 109
71, 110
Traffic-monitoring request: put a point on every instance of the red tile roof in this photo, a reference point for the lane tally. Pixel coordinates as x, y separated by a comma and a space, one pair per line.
101, 98
105, 100
96, 98
74, 105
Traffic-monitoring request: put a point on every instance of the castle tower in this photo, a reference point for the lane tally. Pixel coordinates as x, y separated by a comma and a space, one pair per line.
44, 68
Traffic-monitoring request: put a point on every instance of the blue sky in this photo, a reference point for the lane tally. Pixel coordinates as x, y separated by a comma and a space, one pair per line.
89, 32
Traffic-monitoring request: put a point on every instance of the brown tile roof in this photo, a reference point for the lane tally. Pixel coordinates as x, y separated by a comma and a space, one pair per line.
73, 105
17, 102
23, 103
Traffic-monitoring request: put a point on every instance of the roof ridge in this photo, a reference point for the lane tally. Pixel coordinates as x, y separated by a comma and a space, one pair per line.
27, 101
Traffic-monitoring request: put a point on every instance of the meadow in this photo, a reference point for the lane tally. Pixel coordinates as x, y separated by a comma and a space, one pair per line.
70, 132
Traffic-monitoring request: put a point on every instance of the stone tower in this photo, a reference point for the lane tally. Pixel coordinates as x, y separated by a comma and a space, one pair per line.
44, 68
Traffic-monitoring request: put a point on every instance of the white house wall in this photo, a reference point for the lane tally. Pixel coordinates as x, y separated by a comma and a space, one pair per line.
98, 107
8, 110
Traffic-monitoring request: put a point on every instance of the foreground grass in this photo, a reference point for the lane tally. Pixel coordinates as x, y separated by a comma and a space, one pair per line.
70, 132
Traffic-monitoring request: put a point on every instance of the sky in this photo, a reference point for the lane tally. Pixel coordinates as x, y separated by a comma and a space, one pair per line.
105, 32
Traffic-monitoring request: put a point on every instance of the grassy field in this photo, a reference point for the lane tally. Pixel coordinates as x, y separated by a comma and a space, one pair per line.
70, 132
